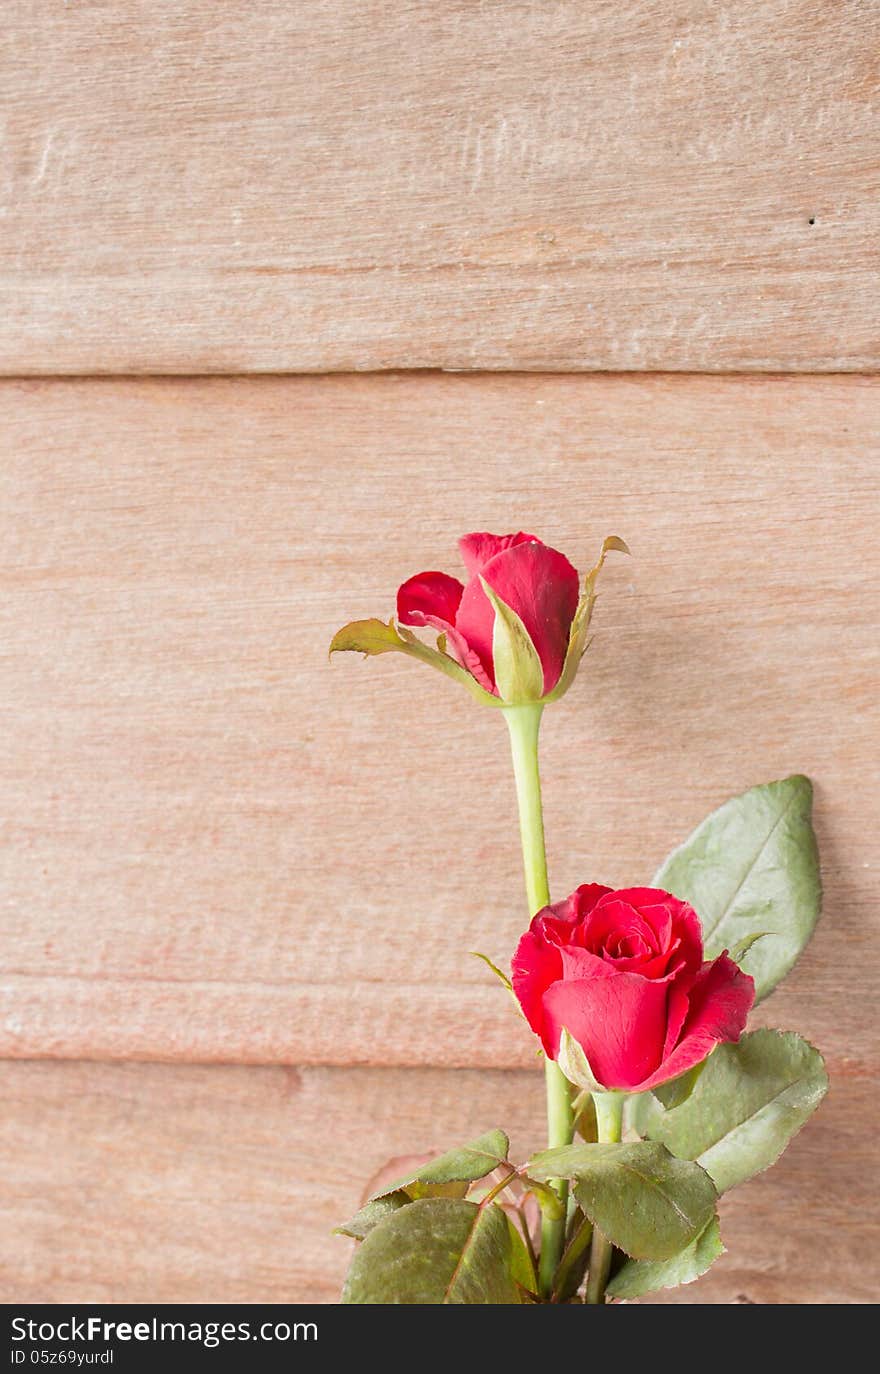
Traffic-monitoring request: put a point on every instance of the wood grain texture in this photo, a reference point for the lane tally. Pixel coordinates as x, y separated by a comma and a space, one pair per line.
148, 1183
217, 846
217, 187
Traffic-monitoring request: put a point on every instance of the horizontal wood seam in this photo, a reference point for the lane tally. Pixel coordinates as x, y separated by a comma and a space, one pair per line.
526, 373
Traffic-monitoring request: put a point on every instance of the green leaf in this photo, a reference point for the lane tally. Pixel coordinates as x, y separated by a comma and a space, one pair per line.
678, 1090
437, 1250
418, 1189
519, 676
752, 867
642, 1198
580, 625
522, 1271
464, 1164
495, 969
448, 1176
371, 637
750, 1100
369, 1216
637, 1277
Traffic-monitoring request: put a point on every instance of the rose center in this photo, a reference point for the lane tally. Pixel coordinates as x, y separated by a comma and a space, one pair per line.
631, 946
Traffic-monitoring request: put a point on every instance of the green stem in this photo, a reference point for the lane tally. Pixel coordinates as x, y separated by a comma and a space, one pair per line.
524, 722
609, 1119
567, 1281
498, 1188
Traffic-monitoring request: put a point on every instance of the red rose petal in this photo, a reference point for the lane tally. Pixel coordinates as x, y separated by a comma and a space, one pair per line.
675, 924
478, 549
563, 916
429, 598
536, 964
432, 599
619, 1021
581, 963
542, 587
719, 1000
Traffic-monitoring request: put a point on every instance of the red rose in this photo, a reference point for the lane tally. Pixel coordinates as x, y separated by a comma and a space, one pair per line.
623, 973
534, 581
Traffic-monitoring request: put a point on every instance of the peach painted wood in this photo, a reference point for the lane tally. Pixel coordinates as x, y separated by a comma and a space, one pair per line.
158, 1183
320, 186
215, 845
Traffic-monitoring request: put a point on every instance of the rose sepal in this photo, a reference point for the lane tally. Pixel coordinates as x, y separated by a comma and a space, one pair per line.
499, 974
577, 639
374, 636
519, 676
575, 1065
673, 1091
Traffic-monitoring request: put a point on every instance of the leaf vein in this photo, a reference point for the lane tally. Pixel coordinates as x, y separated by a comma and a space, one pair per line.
658, 1187
744, 1121
713, 930
471, 1240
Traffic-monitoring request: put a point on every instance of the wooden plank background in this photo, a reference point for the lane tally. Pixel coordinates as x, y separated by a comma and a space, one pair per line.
631, 184
216, 846
216, 1183
238, 885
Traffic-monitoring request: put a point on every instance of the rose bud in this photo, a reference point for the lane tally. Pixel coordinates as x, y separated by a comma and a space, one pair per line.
615, 985
514, 633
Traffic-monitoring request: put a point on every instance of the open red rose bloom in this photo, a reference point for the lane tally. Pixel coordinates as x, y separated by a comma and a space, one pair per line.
535, 581
623, 973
